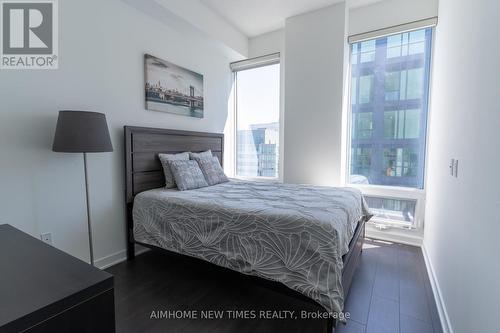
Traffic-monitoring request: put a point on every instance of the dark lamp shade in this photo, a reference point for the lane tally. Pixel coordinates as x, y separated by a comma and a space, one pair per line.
82, 132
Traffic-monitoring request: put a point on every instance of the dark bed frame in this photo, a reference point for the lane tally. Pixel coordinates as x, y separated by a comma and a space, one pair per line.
143, 171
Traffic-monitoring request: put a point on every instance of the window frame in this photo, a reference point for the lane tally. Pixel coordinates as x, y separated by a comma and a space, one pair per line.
383, 191
249, 64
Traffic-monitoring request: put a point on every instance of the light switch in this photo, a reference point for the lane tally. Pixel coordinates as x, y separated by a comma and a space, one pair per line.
455, 169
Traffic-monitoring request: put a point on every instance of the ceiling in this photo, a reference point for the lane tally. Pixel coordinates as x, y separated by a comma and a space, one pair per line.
256, 17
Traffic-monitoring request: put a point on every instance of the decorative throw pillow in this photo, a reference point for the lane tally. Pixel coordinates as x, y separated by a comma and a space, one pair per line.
203, 154
165, 159
213, 172
187, 174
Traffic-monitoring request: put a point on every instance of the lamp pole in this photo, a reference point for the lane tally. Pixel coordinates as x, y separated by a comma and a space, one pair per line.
89, 224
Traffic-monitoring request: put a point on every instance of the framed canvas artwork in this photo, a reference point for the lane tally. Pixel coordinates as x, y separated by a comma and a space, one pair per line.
173, 89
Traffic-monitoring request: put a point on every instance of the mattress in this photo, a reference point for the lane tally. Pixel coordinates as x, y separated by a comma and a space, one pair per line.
294, 234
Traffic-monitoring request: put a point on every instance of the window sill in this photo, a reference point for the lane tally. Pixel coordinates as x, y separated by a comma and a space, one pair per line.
259, 179
384, 189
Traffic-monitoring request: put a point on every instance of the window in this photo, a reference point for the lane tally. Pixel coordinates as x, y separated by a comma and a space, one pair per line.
389, 106
404, 85
257, 121
365, 88
361, 158
367, 53
402, 124
362, 125
405, 44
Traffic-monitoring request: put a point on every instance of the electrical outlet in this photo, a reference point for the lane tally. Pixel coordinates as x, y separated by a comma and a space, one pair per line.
46, 238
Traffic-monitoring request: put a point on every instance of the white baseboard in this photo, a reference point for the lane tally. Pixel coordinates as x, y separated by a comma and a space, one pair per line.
438, 296
117, 257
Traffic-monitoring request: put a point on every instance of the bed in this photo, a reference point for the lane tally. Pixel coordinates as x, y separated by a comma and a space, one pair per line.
307, 238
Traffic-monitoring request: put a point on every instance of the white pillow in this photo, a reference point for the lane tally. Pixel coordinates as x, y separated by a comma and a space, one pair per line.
164, 159
203, 154
212, 170
187, 174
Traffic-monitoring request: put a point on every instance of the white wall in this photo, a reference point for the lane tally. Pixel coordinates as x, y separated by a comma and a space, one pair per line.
462, 220
271, 42
199, 15
314, 50
101, 44
388, 13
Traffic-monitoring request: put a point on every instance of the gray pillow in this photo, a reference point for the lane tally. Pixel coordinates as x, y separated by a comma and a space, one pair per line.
203, 154
187, 174
212, 170
165, 159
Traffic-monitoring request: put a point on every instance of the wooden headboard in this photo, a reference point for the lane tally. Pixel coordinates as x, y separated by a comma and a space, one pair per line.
143, 170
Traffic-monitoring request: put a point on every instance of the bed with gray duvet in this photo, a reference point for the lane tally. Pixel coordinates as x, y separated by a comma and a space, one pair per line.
293, 234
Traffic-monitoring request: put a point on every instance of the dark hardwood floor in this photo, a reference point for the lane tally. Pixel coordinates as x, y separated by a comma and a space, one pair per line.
390, 293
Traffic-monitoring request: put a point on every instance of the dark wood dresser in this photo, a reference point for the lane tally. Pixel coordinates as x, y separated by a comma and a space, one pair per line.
43, 289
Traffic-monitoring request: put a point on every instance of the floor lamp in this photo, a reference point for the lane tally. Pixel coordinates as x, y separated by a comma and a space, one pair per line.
83, 132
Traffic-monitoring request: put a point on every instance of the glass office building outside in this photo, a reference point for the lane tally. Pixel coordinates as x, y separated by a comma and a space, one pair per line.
389, 104
258, 151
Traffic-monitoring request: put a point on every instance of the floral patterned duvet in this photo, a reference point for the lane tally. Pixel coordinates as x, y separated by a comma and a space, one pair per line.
294, 234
